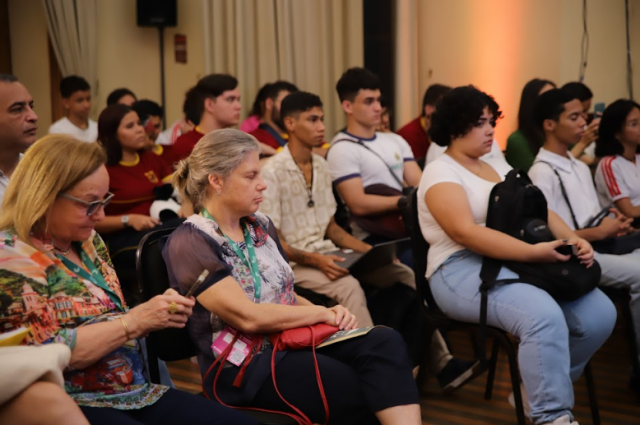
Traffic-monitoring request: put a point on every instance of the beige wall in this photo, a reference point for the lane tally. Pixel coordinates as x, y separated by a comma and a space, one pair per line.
499, 45
30, 55
128, 56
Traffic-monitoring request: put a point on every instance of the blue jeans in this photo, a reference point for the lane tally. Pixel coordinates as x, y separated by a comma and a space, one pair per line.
557, 339
622, 271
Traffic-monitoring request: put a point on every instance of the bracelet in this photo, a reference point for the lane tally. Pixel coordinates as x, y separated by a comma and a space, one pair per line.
126, 327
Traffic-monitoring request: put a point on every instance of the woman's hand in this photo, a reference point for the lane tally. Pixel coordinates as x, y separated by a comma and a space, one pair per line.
154, 314
545, 252
585, 251
342, 318
142, 222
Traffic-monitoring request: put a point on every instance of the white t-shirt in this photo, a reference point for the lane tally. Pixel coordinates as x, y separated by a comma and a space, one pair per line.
64, 126
349, 160
577, 182
446, 170
435, 150
617, 178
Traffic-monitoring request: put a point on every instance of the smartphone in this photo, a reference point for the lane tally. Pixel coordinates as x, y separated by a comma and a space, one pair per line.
568, 249
598, 109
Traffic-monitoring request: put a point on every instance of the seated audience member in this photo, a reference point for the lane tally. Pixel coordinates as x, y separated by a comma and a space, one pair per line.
76, 99
416, 132
556, 339
585, 148
122, 96
523, 144
191, 118
559, 115
136, 176
32, 376
250, 290
271, 132
257, 110
385, 116
299, 200
217, 106
51, 257
18, 125
368, 158
150, 115
618, 176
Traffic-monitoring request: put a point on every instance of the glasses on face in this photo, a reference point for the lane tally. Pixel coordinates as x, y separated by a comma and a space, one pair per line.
92, 206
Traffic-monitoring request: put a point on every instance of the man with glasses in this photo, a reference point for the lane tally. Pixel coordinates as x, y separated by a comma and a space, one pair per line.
18, 125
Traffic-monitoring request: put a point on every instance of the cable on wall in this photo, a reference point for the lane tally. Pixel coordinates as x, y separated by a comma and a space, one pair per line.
584, 44
629, 68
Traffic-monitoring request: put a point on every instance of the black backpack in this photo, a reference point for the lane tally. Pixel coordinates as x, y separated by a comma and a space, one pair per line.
519, 209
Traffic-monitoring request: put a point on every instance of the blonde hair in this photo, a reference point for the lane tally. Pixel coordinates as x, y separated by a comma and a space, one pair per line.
218, 152
52, 165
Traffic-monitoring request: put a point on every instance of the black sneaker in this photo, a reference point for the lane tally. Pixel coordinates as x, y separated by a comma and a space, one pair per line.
457, 373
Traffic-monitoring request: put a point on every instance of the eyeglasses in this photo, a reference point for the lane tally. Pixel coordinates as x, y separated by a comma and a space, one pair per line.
92, 206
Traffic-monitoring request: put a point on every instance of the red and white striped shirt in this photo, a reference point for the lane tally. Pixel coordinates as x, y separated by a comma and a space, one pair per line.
617, 178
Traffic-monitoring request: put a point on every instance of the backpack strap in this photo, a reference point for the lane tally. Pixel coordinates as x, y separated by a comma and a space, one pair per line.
563, 191
361, 143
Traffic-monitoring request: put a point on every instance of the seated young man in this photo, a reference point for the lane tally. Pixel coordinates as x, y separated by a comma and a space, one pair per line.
416, 132
271, 133
559, 115
218, 106
299, 200
360, 157
76, 99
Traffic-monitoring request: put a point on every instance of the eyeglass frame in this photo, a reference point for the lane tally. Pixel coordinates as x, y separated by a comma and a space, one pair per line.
93, 204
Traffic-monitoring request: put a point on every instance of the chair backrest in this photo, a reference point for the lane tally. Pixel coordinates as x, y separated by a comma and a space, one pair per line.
420, 248
167, 344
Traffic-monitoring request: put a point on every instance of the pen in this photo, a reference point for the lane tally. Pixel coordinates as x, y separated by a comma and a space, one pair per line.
198, 282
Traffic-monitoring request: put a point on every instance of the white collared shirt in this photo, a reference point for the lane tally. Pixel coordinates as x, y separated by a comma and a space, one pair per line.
578, 184
286, 201
4, 182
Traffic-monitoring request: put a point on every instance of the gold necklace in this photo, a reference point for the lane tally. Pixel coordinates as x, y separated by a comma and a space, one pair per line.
64, 252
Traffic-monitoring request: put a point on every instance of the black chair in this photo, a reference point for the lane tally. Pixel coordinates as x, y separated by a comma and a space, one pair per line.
173, 344
438, 320
622, 297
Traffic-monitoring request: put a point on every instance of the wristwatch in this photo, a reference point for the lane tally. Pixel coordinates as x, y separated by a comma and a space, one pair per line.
124, 219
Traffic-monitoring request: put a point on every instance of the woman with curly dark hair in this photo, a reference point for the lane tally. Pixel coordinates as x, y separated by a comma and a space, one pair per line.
556, 338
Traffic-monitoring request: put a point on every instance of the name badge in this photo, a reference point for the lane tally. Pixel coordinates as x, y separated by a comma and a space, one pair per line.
240, 350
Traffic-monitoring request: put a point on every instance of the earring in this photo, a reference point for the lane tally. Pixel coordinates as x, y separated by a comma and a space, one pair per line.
218, 192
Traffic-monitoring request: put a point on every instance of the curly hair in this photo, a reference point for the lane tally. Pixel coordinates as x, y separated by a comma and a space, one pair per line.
612, 122
458, 111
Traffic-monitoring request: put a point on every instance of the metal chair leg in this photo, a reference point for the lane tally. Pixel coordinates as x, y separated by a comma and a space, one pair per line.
591, 390
493, 361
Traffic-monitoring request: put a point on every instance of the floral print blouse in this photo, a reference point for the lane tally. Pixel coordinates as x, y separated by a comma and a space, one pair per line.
37, 291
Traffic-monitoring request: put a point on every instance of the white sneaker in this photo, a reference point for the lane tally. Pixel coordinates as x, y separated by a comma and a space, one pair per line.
562, 420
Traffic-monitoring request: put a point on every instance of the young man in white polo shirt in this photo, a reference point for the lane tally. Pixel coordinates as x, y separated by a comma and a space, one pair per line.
299, 200
360, 157
559, 115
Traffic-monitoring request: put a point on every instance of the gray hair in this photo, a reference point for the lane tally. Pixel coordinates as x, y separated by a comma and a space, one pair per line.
219, 152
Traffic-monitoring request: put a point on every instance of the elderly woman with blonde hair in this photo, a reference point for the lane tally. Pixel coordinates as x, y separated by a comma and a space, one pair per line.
58, 281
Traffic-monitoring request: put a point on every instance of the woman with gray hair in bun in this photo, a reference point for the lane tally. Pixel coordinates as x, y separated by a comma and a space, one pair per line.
250, 290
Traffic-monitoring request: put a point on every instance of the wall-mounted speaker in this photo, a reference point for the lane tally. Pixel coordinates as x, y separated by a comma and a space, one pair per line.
157, 13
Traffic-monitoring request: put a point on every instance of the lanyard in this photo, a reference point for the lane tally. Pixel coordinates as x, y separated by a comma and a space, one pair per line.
252, 264
94, 276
